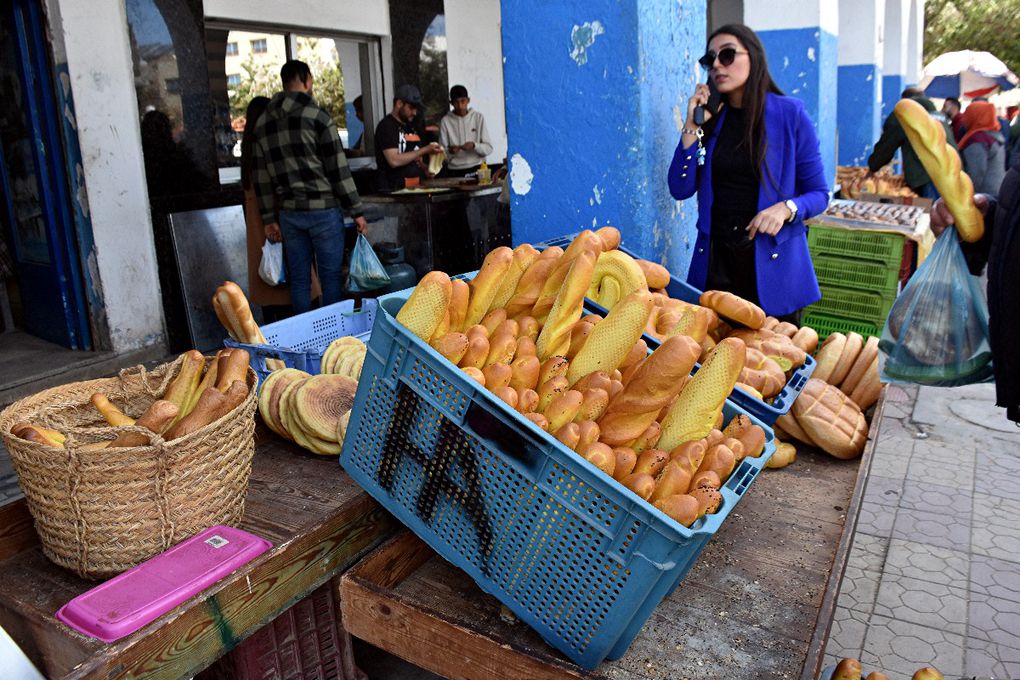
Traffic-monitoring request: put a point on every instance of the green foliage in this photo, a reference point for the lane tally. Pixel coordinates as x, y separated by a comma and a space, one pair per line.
434, 81
981, 25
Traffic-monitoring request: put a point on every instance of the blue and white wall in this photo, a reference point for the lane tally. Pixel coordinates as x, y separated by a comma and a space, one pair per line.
859, 94
902, 49
596, 94
800, 39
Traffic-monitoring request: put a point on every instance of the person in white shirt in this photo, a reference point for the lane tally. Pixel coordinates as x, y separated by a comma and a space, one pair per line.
463, 134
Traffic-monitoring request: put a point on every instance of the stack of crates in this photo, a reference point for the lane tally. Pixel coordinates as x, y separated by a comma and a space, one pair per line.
859, 274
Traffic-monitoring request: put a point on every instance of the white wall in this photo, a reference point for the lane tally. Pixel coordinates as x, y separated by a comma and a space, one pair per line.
770, 15
915, 41
894, 57
371, 17
475, 60
860, 31
102, 84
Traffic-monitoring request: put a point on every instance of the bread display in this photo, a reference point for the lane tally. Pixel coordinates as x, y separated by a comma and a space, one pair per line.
927, 137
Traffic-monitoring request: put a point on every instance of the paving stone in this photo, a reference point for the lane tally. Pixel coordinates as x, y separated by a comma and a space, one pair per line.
891, 429
989, 659
900, 394
846, 637
933, 464
858, 590
876, 520
996, 530
892, 458
928, 604
995, 578
926, 562
994, 619
900, 648
883, 490
998, 472
869, 552
948, 499
933, 527
897, 409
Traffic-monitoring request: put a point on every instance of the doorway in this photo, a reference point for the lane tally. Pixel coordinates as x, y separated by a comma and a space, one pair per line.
43, 278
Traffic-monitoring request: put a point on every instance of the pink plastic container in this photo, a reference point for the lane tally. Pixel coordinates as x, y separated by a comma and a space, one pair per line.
141, 595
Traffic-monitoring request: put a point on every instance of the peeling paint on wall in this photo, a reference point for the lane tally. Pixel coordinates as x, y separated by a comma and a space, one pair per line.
582, 37
521, 176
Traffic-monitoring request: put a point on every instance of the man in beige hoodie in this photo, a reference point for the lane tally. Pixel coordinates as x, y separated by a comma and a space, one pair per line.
463, 134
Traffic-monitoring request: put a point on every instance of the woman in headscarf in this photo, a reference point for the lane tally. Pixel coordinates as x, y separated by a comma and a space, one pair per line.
983, 148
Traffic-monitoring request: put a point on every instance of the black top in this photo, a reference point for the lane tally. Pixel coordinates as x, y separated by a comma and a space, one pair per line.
392, 134
734, 184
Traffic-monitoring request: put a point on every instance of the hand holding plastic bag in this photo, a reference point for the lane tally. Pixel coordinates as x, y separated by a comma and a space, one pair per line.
937, 330
366, 272
271, 268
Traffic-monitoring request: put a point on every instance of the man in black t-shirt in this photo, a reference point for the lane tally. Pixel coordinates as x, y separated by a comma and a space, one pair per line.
399, 147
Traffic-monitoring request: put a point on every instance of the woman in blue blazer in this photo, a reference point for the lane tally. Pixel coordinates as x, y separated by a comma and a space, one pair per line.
761, 159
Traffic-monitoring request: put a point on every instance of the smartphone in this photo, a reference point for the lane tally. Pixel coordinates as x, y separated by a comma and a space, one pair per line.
714, 101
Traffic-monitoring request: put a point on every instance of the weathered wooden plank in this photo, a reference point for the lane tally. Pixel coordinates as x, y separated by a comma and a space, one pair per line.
16, 530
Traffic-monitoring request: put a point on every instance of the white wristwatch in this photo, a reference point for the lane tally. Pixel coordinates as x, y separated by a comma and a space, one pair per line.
793, 209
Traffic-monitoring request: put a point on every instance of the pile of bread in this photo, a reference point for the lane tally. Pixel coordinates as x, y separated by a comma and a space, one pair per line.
519, 329
829, 413
854, 181
850, 669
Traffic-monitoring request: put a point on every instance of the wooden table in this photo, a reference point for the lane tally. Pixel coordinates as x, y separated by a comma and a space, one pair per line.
757, 604
318, 520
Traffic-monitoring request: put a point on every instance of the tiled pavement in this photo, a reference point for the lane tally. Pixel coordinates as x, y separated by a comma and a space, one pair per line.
933, 577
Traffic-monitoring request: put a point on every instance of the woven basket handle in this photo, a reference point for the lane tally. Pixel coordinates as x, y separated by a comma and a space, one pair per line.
138, 374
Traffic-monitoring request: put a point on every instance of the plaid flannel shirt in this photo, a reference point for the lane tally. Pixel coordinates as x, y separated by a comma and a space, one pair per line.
299, 159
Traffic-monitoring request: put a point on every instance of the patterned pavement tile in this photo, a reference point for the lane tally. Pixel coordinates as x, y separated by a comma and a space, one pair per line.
857, 591
933, 527
926, 562
901, 393
998, 473
935, 466
892, 461
996, 531
994, 619
928, 604
988, 659
869, 552
846, 637
876, 520
899, 648
925, 496
897, 409
883, 490
995, 578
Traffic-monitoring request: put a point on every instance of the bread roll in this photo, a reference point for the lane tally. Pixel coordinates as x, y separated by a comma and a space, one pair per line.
851, 349
807, 339
655, 274
861, 365
734, 308
828, 356
832, 420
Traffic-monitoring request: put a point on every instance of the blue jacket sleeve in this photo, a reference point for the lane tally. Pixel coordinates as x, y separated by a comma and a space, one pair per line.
812, 190
683, 171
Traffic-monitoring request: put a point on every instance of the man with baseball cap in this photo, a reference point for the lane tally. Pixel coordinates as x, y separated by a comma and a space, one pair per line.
398, 145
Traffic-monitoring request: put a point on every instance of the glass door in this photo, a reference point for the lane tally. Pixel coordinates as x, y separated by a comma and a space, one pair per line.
34, 186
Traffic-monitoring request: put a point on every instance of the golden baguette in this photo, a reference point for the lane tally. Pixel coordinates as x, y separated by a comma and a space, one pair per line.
554, 339
429, 301
585, 242
942, 163
612, 339
695, 411
486, 283
524, 256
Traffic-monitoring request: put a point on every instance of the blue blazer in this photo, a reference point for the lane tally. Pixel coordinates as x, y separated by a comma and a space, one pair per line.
786, 278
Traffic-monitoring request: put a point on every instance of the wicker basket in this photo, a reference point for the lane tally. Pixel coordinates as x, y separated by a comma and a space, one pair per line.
101, 511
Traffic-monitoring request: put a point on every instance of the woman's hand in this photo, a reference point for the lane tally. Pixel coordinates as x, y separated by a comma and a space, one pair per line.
942, 218
700, 98
769, 221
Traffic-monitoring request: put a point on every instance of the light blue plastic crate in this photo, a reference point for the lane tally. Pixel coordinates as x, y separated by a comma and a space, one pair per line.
300, 340
570, 551
681, 290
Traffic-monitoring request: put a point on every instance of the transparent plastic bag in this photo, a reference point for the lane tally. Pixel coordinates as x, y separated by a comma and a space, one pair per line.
366, 272
937, 330
271, 268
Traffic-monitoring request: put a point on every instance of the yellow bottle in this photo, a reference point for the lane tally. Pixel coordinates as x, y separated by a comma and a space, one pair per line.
484, 174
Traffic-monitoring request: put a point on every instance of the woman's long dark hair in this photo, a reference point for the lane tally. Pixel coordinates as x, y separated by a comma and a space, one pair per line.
759, 83
256, 107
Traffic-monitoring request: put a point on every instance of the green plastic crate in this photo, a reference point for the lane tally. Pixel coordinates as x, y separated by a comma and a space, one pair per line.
845, 303
857, 244
824, 325
841, 271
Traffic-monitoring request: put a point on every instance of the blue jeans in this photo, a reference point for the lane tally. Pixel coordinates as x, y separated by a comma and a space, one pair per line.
308, 234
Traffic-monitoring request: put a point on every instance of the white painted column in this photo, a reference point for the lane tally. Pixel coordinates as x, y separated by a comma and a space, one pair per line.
801, 45
894, 53
915, 42
859, 90
474, 57
95, 37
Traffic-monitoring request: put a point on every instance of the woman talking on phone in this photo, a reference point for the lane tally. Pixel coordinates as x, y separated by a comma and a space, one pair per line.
755, 165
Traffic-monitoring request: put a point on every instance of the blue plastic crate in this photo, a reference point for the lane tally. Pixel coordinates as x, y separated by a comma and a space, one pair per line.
570, 551
300, 340
681, 290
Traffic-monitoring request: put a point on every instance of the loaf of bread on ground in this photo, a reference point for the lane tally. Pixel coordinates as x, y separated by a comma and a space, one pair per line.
831, 419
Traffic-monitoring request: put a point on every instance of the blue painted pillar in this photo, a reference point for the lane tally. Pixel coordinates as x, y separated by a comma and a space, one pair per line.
596, 93
800, 41
859, 95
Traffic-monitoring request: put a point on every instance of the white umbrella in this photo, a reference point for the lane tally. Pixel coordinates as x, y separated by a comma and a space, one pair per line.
966, 74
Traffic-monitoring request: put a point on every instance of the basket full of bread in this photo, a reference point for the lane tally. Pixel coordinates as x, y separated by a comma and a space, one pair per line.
119, 469
571, 471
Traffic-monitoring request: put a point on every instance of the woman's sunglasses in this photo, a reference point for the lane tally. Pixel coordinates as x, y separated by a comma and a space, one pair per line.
726, 56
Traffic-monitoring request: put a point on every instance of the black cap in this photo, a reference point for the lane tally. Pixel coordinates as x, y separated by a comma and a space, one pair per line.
409, 94
458, 91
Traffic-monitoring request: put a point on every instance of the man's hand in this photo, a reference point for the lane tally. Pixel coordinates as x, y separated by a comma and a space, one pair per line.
361, 225
429, 149
273, 232
468, 146
769, 221
455, 149
942, 218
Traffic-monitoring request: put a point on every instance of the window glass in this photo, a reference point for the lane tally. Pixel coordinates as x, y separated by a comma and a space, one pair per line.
259, 46
253, 72
231, 48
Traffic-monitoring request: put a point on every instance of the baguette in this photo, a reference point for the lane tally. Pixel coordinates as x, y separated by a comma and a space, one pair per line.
566, 309
942, 163
113, 415
734, 308
233, 366
211, 406
612, 339
861, 365
851, 349
616, 276
424, 309
184, 384
610, 237
524, 256
460, 295
584, 243
530, 286
156, 418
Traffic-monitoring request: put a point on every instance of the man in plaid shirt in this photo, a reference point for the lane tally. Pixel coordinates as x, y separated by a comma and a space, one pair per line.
300, 167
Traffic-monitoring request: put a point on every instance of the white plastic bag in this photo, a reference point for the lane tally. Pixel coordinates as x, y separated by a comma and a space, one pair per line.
271, 268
